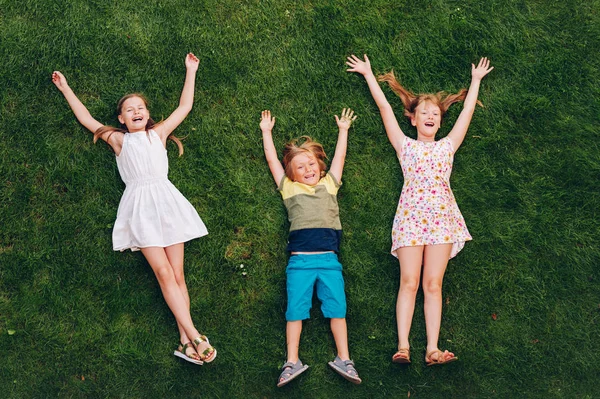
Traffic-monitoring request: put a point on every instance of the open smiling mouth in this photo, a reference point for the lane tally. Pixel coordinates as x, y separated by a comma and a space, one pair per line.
137, 119
429, 124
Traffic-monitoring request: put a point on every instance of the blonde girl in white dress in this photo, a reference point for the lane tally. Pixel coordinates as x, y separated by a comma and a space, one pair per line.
153, 216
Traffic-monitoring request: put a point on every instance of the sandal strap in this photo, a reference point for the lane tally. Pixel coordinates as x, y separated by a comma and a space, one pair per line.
350, 367
402, 353
201, 338
287, 369
347, 365
185, 346
439, 357
207, 351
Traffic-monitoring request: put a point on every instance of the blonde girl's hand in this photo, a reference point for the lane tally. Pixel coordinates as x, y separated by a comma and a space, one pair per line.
358, 65
482, 69
346, 120
59, 80
191, 62
266, 122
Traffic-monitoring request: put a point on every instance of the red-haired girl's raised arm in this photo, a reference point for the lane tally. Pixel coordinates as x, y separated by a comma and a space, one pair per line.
459, 130
392, 128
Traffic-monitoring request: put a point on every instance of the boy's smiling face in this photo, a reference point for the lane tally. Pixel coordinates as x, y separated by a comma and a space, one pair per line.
306, 169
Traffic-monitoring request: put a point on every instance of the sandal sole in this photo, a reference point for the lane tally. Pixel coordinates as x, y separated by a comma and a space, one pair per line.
293, 376
188, 359
353, 379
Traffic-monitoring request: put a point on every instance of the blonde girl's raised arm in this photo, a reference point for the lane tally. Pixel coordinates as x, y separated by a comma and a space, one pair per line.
392, 128
84, 117
266, 126
81, 112
186, 101
459, 130
339, 157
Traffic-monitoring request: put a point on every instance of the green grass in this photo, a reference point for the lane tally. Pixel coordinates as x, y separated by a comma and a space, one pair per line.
79, 320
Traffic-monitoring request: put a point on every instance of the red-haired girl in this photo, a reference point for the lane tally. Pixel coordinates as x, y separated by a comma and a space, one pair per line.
428, 227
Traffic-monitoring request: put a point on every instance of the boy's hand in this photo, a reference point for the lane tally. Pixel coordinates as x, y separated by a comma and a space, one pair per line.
191, 62
266, 122
59, 80
346, 120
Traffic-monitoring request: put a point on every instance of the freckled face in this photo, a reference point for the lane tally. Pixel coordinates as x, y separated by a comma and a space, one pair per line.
306, 169
427, 119
134, 114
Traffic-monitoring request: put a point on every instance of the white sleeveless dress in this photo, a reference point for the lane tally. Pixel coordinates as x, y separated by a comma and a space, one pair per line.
152, 212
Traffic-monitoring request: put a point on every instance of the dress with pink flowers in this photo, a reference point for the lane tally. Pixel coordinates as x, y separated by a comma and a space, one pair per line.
427, 212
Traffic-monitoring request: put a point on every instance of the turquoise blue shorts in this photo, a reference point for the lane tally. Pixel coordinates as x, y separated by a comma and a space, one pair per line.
306, 271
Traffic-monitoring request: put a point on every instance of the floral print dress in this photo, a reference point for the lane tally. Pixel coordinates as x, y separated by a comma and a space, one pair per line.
427, 212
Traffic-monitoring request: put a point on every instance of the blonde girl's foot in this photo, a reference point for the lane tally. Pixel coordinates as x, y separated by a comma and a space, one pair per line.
186, 352
205, 350
402, 356
437, 357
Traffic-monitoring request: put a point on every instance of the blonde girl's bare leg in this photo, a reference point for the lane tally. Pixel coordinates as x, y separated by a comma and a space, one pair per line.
176, 300
411, 259
175, 255
435, 260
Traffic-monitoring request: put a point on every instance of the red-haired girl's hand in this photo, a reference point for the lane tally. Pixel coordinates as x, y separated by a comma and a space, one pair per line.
482, 69
192, 62
59, 80
358, 65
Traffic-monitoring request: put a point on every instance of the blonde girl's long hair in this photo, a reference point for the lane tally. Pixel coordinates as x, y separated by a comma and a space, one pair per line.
294, 148
410, 100
149, 125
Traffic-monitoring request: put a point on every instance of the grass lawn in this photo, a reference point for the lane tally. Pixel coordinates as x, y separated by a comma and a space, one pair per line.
521, 301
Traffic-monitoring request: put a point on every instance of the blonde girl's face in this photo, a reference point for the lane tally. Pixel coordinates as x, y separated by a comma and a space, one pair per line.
427, 119
134, 114
306, 169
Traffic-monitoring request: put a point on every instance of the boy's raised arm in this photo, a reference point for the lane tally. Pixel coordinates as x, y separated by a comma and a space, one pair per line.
266, 126
339, 158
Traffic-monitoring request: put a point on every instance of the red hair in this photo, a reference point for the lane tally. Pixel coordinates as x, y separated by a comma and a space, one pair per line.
411, 101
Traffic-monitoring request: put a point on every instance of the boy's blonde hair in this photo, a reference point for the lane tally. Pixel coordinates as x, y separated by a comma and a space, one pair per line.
309, 146
411, 101
149, 125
